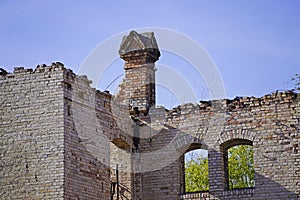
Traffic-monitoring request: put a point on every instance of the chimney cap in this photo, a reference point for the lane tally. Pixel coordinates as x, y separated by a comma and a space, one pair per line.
138, 42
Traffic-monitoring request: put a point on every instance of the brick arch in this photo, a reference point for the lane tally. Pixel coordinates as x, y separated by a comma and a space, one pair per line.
121, 139
184, 145
231, 138
239, 135
185, 142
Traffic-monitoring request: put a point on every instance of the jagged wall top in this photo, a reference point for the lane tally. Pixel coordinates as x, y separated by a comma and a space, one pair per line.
137, 42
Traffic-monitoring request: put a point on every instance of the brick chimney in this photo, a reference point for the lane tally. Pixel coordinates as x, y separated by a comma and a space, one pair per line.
140, 52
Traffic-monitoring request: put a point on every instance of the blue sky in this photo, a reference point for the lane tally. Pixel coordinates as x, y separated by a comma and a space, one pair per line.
254, 44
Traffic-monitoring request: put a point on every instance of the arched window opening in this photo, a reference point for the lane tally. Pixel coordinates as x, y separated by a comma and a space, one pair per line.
196, 171
239, 166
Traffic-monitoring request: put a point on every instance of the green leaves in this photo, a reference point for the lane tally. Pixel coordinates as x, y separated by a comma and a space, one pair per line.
196, 174
240, 170
240, 167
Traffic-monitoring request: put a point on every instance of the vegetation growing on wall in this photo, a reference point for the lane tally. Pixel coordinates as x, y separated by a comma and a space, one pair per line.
296, 80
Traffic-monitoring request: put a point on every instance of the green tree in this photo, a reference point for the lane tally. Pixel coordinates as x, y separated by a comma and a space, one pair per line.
240, 170
196, 174
240, 167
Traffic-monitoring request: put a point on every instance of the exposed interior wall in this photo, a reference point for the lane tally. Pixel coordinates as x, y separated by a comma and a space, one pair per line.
87, 172
97, 139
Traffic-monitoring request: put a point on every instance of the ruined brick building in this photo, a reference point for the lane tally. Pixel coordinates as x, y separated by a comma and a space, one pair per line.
63, 139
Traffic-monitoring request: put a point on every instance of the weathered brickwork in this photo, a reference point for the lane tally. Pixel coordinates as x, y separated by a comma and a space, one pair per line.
62, 139
270, 123
32, 134
140, 52
86, 175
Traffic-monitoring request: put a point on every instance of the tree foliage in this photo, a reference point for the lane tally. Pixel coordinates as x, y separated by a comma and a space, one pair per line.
240, 167
240, 170
196, 174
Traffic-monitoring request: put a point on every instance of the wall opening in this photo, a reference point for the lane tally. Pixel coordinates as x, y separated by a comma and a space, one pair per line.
239, 165
120, 166
196, 171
